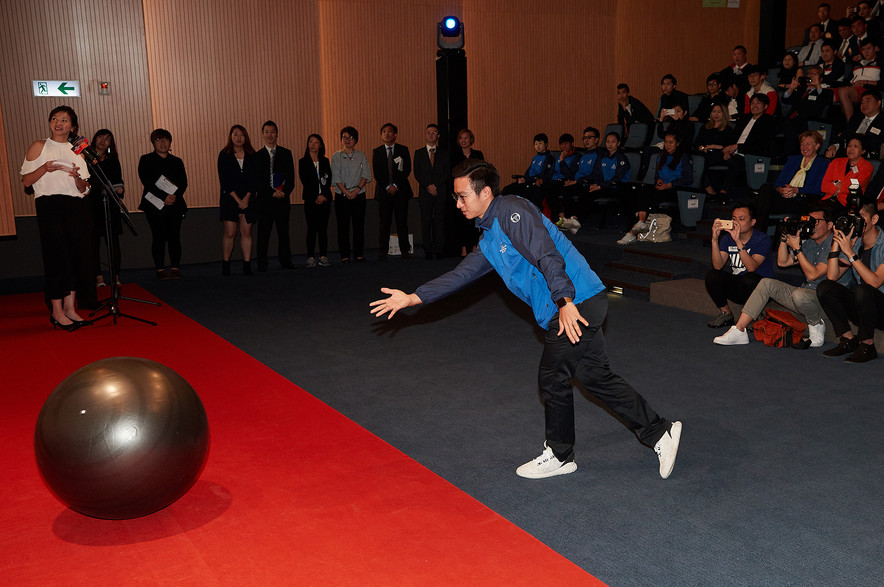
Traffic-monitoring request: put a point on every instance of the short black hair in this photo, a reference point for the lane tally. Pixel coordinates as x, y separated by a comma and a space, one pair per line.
763, 98
592, 129
623, 87
160, 133
480, 173
669, 76
392, 127
566, 138
350, 131
269, 123
541, 137
753, 211
876, 94
826, 210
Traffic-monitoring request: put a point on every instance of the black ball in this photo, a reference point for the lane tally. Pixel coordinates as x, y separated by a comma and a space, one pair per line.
121, 438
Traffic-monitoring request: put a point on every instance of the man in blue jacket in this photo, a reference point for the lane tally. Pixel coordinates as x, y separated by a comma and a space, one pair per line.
541, 266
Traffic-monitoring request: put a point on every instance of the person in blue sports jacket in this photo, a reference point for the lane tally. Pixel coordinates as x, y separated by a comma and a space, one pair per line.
563, 172
611, 169
575, 190
539, 171
541, 266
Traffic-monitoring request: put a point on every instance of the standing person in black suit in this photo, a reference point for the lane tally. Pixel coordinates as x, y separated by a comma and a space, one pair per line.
315, 173
391, 166
276, 180
431, 168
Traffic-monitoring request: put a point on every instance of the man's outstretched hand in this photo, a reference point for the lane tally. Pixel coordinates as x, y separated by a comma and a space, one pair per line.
396, 301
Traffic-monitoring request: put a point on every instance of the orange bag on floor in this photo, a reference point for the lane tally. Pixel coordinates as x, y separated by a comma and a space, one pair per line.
778, 328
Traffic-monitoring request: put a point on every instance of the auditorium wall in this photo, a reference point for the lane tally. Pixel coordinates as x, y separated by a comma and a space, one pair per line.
196, 67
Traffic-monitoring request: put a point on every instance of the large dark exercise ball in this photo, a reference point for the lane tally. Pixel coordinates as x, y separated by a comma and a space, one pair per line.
121, 438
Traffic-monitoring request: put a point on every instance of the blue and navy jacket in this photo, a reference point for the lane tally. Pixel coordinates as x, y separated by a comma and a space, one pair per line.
683, 174
610, 170
586, 165
541, 167
813, 180
565, 170
533, 257
877, 255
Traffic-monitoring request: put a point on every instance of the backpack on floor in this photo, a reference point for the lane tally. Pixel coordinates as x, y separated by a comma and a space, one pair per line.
778, 328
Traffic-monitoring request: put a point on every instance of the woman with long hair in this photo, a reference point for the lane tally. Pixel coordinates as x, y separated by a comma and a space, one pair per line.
237, 174
105, 146
315, 172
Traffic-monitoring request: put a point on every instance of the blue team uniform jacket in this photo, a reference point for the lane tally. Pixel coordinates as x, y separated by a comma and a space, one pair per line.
533, 257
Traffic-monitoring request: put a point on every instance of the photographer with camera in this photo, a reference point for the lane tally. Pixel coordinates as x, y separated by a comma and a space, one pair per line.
805, 242
857, 244
747, 251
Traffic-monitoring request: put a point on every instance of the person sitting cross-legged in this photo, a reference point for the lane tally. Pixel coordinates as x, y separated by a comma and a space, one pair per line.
810, 254
739, 261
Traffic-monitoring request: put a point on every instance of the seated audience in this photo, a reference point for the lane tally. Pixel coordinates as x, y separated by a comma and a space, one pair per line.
714, 95
845, 35
809, 253
832, 66
711, 141
670, 98
734, 71
863, 304
799, 183
875, 189
828, 25
574, 190
807, 105
631, 110
611, 169
739, 261
866, 74
563, 170
789, 70
755, 132
674, 168
540, 170
859, 28
758, 85
867, 123
810, 52
841, 171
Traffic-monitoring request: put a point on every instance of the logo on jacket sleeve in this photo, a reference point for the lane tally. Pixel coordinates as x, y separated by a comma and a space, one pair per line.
502, 248
515, 217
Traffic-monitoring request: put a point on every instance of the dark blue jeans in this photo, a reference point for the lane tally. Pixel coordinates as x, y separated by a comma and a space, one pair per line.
588, 362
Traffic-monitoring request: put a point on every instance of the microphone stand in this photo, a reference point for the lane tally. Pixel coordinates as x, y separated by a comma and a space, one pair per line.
112, 304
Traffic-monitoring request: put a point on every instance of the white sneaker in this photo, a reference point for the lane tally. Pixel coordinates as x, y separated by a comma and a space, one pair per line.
733, 336
628, 238
817, 333
324, 262
311, 262
546, 465
667, 449
571, 224
640, 226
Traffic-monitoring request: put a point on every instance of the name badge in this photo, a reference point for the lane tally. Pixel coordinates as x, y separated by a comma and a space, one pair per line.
875, 131
759, 168
854, 169
812, 98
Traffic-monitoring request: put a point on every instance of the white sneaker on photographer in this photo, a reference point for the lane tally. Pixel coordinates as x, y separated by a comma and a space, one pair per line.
628, 238
817, 334
733, 336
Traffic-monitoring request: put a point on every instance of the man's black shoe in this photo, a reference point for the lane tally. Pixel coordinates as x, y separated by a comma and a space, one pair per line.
863, 353
845, 346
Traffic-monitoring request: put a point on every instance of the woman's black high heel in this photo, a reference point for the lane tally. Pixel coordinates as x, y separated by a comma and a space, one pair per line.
68, 327
79, 323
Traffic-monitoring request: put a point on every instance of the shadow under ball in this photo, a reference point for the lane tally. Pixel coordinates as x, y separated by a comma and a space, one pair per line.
121, 438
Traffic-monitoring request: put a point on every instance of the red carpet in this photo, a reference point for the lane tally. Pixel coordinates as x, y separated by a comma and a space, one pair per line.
293, 492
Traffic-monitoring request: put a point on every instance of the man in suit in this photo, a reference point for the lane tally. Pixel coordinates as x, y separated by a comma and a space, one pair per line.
867, 122
431, 168
755, 132
276, 169
391, 166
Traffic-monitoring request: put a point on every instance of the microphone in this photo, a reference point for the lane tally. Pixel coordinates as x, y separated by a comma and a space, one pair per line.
80, 146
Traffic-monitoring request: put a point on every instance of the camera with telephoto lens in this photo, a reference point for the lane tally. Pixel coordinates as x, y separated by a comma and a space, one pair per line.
802, 226
852, 220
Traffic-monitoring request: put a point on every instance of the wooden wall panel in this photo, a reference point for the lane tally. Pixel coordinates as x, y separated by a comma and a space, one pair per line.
678, 37
103, 40
7, 214
218, 63
536, 67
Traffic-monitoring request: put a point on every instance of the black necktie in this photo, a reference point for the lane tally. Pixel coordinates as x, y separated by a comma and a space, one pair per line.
390, 163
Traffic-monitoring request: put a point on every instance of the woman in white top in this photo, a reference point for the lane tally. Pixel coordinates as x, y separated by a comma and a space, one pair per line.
58, 177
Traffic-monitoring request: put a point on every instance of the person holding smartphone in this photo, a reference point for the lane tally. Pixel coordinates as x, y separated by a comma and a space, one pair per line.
740, 260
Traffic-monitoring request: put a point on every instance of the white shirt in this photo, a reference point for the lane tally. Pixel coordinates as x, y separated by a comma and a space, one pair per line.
746, 131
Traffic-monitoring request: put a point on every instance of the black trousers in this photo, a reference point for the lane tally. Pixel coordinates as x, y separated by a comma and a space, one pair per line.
274, 211
863, 305
722, 285
65, 227
350, 212
588, 362
389, 207
165, 230
317, 216
433, 222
